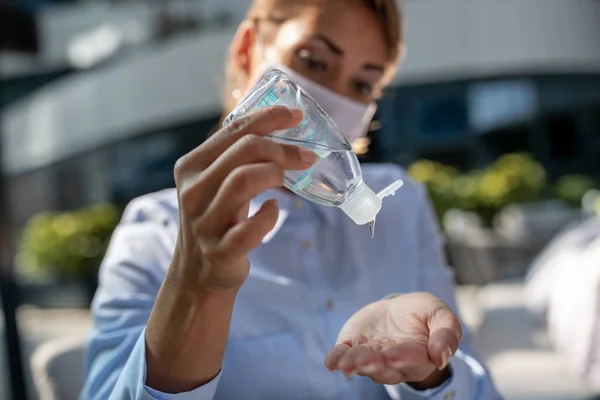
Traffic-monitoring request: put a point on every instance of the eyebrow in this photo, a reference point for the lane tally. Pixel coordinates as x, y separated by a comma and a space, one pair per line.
332, 46
338, 51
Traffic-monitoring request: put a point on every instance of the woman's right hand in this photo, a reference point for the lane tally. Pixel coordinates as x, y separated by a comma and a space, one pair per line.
215, 183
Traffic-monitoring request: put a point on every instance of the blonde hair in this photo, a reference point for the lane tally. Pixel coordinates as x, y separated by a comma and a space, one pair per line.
279, 11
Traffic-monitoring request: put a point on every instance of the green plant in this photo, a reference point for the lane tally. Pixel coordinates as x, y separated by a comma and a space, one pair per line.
571, 188
66, 244
513, 178
439, 180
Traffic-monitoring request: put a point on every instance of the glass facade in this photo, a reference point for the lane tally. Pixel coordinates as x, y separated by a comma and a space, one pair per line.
470, 123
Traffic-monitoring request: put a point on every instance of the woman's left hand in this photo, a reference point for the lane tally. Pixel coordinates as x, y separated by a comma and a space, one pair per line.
407, 338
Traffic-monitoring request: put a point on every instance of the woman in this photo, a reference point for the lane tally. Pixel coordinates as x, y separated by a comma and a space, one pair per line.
197, 300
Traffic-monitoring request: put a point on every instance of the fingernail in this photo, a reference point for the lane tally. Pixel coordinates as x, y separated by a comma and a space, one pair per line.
309, 157
349, 375
446, 354
296, 113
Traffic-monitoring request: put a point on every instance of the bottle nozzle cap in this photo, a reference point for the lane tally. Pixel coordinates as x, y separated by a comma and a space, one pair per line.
365, 205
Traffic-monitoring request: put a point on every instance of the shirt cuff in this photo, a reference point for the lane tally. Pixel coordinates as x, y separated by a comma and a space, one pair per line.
204, 392
459, 386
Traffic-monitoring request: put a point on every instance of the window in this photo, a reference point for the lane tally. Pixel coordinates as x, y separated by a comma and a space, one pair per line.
444, 117
510, 139
563, 136
496, 104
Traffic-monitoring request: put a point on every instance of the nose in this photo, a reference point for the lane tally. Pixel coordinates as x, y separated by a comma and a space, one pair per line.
342, 84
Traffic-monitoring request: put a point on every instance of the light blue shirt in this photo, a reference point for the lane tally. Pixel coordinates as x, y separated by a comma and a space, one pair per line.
312, 272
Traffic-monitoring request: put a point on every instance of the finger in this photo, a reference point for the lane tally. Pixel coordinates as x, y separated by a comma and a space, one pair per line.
410, 359
370, 363
334, 356
406, 352
348, 363
248, 234
389, 377
261, 123
254, 149
372, 370
413, 372
242, 185
445, 333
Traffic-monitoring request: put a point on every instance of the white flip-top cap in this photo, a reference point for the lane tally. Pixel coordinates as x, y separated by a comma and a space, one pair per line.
364, 206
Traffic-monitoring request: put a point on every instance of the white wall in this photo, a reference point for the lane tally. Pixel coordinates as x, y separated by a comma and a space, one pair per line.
156, 88
458, 38
446, 39
59, 25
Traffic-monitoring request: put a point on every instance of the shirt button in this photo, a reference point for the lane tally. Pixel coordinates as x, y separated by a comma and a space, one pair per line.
330, 304
306, 245
449, 395
299, 204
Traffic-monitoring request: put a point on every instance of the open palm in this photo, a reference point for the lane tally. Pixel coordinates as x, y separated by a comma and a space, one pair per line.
405, 338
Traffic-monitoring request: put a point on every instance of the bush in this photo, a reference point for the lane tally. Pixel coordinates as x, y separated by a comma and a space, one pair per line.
513, 178
571, 188
439, 180
66, 244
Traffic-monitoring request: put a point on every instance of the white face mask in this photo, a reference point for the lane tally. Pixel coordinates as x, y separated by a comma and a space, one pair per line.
352, 117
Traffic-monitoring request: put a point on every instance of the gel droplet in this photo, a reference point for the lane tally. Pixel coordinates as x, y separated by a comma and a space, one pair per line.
372, 228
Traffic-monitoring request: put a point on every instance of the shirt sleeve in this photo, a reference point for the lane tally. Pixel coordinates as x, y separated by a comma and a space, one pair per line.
130, 277
469, 378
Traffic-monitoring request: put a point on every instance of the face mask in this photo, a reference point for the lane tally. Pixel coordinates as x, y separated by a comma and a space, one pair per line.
352, 117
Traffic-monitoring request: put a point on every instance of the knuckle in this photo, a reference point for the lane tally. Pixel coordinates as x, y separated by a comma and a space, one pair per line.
240, 179
253, 144
211, 252
202, 230
189, 190
278, 175
247, 240
290, 153
240, 124
214, 255
278, 112
180, 167
186, 199
273, 112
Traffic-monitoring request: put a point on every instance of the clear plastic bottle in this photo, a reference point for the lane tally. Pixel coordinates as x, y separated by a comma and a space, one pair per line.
336, 179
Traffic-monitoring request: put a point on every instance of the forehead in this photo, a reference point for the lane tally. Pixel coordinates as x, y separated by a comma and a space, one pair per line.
351, 26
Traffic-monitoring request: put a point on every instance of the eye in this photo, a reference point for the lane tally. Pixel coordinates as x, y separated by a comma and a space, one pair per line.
311, 61
363, 88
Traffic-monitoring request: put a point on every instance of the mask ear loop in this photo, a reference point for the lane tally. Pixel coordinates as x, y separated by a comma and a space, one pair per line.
368, 117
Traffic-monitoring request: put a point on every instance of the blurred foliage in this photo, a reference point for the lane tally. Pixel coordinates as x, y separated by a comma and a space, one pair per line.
66, 244
571, 188
513, 178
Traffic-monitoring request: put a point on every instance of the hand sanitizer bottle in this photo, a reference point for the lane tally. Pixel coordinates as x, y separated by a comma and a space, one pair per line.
336, 179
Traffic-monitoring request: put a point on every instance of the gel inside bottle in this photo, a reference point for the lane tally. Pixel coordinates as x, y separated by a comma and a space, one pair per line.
336, 179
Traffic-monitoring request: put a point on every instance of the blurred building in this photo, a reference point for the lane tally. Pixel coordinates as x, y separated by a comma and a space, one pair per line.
118, 90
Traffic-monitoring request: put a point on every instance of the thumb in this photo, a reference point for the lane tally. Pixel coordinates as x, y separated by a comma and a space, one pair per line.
445, 332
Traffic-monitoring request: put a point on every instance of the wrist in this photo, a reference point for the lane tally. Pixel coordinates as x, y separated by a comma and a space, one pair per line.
187, 320
188, 280
436, 379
